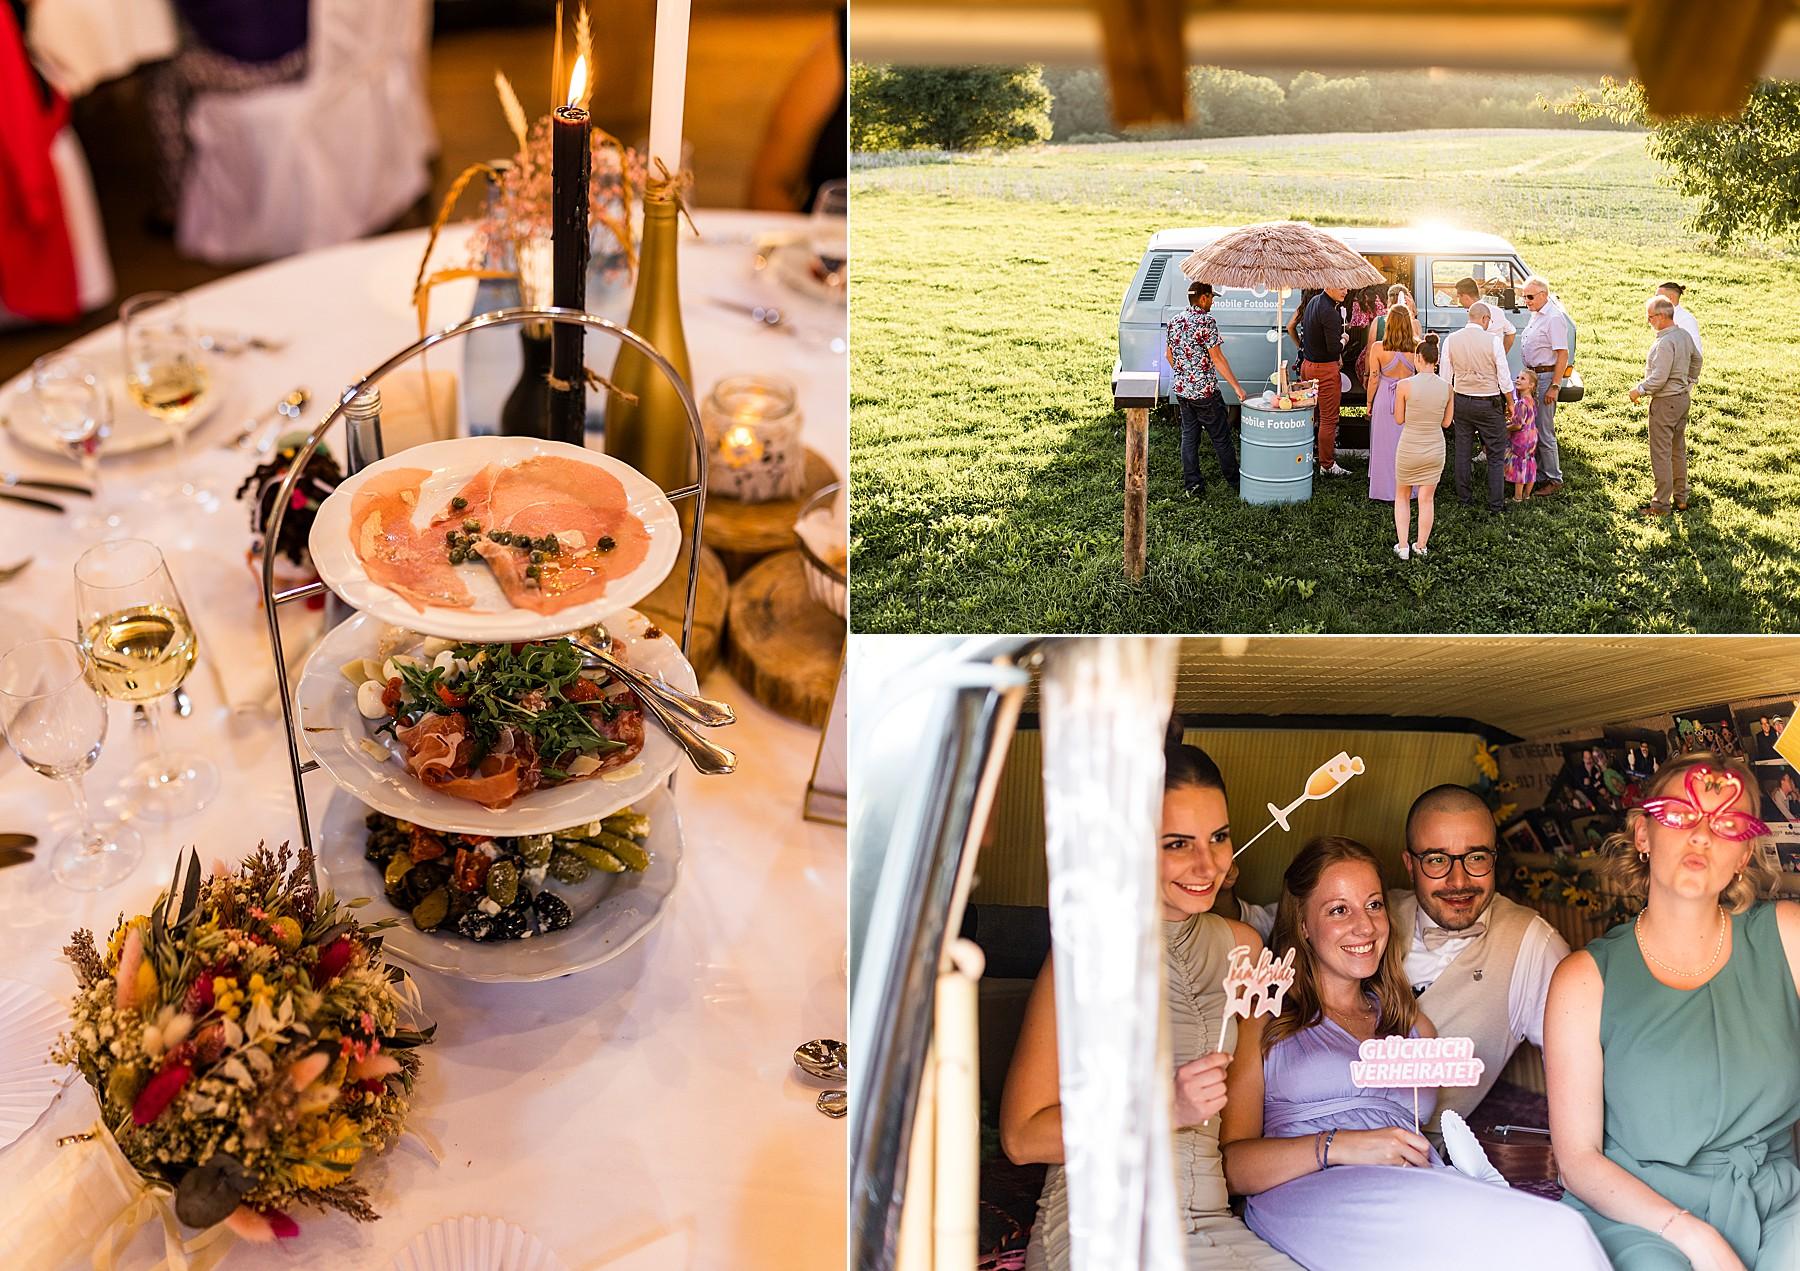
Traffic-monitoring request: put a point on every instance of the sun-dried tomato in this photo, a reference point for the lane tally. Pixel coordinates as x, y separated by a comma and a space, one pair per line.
470, 871
581, 689
390, 696
423, 845
450, 697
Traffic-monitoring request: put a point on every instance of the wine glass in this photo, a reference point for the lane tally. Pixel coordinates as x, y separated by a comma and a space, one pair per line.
164, 371
55, 722
72, 399
829, 232
140, 647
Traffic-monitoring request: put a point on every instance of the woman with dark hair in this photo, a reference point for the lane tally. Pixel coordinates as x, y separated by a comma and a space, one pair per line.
1195, 857
1670, 1042
1335, 1174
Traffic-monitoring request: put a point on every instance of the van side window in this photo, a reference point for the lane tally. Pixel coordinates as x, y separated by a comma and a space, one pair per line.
1499, 281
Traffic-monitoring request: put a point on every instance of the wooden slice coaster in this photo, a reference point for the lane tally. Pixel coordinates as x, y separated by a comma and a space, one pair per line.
781, 644
744, 533
664, 607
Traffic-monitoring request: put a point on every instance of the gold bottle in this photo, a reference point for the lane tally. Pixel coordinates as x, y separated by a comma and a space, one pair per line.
652, 434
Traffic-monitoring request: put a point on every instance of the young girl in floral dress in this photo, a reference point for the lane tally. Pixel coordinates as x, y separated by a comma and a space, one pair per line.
1521, 459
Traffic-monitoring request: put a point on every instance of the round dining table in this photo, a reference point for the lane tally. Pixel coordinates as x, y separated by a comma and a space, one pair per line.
645, 1113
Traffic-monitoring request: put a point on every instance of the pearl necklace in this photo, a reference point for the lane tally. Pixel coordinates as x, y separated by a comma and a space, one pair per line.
1718, 948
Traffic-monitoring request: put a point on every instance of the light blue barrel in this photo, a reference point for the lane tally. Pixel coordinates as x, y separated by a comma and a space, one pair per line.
1276, 455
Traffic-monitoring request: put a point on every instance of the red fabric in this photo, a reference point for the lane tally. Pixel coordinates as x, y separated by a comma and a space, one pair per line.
37, 264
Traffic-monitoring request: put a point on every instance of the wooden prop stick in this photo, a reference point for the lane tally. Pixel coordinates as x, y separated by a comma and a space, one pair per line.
1325, 780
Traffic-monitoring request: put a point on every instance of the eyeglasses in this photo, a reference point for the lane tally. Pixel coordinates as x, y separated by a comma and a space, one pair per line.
1476, 864
1710, 796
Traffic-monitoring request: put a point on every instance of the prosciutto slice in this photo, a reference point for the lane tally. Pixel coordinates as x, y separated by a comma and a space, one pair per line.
582, 505
406, 560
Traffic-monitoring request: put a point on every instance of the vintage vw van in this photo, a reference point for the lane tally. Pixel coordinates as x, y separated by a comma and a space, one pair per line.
1427, 261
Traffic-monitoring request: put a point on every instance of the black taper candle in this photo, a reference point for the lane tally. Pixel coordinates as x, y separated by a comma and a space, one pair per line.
570, 161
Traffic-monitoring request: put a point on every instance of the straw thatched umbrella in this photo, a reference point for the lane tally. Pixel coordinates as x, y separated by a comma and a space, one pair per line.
1280, 254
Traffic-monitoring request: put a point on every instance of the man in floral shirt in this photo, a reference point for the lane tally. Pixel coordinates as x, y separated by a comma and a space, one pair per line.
1196, 360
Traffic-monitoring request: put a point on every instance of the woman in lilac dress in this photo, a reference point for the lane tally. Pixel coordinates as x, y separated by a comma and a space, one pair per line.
1390, 361
1336, 1177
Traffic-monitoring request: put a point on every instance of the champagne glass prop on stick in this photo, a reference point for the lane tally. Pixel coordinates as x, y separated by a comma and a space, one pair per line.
1325, 781
72, 400
56, 724
140, 647
164, 372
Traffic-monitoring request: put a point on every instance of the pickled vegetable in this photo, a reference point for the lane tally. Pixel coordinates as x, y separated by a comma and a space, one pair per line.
597, 856
398, 864
503, 883
428, 913
635, 857
566, 867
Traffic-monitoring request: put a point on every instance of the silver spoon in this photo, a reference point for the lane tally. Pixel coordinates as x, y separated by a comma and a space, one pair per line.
707, 756
824, 1059
701, 710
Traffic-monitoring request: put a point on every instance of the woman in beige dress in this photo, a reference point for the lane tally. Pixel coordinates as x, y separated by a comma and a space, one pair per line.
1195, 858
1423, 405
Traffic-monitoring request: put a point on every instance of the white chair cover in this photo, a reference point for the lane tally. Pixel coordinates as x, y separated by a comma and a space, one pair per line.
329, 158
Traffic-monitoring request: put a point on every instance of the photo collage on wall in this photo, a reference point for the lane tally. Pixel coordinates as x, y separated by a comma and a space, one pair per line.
1573, 792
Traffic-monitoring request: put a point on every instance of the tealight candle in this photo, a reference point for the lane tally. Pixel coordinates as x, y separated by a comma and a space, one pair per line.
753, 436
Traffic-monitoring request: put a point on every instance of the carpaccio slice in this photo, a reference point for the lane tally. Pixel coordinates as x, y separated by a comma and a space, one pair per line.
553, 495
408, 561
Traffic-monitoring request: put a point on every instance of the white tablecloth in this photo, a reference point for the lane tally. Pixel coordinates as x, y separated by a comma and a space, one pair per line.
642, 1114
81, 43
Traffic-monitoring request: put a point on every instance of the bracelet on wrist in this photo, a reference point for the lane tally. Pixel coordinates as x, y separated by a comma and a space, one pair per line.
1318, 1141
1670, 1221
1328, 1139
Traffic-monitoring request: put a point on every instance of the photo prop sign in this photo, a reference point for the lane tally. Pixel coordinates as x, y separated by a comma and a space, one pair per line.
1324, 782
1252, 990
1396, 1063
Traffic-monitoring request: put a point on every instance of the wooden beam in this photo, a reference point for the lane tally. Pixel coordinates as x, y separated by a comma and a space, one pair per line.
1137, 472
1146, 61
1702, 59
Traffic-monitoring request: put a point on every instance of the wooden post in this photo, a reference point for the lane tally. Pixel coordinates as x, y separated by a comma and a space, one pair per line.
1137, 465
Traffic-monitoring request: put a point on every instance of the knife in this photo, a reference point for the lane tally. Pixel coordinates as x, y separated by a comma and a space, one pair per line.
36, 503
12, 479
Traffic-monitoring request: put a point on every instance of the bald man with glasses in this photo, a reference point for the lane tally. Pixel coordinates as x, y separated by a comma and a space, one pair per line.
1479, 963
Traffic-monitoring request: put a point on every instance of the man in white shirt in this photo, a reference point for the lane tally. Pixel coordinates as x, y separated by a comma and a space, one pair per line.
1684, 317
1479, 963
1546, 351
1474, 363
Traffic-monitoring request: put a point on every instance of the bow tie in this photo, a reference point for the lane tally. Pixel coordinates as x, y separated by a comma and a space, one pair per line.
1435, 937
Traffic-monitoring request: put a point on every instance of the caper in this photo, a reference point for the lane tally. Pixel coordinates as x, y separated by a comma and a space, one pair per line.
503, 883
450, 537
606, 543
458, 556
531, 571
553, 545
537, 558
459, 503
471, 525
430, 911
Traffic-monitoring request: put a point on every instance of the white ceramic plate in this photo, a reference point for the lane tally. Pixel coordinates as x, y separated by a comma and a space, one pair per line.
476, 1244
612, 911
492, 617
30, 1020
327, 702
132, 429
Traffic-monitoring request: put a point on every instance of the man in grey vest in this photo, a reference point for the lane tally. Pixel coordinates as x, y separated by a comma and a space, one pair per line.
1474, 363
1480, 963
1669, 375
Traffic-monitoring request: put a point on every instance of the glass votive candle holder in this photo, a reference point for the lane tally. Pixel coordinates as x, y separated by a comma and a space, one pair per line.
754, 449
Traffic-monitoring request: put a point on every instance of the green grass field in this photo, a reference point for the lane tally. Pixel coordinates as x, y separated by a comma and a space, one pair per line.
988, 462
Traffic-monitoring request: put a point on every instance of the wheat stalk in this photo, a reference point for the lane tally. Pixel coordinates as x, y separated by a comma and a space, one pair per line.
515, 113
584, 47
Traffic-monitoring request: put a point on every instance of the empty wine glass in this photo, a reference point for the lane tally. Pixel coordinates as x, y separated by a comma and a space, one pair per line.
164, 370
55, 722
140, 647
72, 399
829, 232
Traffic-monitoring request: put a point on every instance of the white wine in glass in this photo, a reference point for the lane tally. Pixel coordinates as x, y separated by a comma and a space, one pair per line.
169, 390
165, 373
140, 647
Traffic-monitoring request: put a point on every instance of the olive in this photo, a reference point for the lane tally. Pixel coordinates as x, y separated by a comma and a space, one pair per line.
429, 912
503, 883
397, 866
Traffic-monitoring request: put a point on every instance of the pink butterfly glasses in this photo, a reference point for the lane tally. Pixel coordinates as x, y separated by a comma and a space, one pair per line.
1710, 796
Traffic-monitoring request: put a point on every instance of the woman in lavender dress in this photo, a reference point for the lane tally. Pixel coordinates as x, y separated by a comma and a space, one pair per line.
1390, 361
1337, 1177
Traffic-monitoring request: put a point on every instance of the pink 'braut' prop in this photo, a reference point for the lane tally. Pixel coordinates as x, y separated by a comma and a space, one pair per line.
1325, 780
1397, 1063
1254, 989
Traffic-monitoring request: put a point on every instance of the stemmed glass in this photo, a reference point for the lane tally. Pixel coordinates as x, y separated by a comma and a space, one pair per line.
55, 722
140, 647
73, 401
164, 370
829, 232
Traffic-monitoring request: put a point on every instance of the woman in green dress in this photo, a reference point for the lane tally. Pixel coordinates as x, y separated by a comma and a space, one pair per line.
1672, 1043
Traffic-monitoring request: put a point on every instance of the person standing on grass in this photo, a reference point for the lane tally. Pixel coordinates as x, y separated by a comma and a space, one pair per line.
1423, 405
1476, 368
1196, 361
1670, 372
1468, 292
1322, 340
1684, 317
1546, 353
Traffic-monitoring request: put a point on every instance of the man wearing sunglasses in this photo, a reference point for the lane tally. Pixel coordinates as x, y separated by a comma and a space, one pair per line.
1480, 963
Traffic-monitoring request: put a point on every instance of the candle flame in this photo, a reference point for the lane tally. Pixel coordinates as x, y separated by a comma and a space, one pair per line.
578, 81
741, 446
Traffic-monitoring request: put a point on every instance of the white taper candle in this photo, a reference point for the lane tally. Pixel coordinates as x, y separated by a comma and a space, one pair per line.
668, 83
